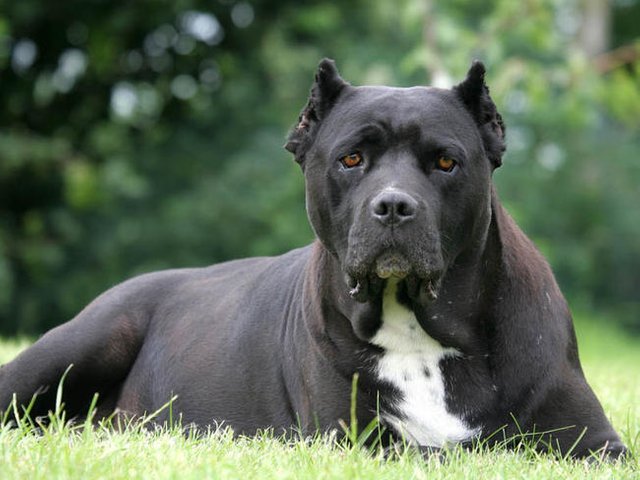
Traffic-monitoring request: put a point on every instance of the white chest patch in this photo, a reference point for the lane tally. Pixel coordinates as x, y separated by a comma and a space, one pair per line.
411, 364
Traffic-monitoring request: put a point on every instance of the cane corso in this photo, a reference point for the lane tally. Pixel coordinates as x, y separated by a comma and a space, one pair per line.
419, 282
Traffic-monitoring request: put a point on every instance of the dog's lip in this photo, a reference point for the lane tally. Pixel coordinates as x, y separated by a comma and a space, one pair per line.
422, 286
395, 263
362, 289
392, 264
366, 279
422, 290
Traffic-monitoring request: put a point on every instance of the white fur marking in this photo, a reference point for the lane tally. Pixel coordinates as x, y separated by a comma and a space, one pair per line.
409, 353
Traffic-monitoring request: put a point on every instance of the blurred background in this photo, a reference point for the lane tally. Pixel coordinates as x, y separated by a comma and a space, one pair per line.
141, 135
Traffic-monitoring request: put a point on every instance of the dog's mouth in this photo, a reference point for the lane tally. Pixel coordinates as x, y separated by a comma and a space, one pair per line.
392, 264
421, 285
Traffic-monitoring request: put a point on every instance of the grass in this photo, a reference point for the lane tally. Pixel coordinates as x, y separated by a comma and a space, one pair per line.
610, 359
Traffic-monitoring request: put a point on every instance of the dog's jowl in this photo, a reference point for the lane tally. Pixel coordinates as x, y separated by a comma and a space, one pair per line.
419, 282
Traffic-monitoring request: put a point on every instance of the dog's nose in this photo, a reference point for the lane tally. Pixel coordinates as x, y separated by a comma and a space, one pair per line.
392, 208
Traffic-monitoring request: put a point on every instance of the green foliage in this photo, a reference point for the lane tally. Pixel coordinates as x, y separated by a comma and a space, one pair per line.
145, 135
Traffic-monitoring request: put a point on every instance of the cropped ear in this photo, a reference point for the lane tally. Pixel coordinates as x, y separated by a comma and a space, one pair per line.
474, 93
325, 90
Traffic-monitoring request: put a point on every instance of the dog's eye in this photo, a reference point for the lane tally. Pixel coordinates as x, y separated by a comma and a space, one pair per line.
445, 164
352, 160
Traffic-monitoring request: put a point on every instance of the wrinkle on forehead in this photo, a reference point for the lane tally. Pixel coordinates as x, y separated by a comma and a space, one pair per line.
391, 116
403, 112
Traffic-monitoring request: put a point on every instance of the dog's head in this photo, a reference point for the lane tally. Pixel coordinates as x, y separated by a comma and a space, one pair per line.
398, 180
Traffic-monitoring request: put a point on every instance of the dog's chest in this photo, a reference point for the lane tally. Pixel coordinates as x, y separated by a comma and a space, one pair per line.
411, 363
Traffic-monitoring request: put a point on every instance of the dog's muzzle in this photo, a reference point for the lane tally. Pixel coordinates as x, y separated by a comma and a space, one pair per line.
392, 239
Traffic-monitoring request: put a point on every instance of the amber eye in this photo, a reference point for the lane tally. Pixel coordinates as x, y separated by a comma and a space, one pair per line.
351, 160
445, 164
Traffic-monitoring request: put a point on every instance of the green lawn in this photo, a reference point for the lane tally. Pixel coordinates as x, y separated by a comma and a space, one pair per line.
611, 361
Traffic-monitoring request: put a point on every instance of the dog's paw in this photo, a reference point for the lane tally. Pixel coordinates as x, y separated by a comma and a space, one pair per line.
611, 451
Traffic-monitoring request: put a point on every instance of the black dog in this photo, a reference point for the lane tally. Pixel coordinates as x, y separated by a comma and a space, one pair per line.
419, 281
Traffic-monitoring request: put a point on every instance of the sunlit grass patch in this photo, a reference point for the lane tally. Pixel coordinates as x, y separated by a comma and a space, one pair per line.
167, 453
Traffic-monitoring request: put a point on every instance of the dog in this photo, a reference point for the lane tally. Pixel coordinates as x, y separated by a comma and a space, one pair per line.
419, 282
